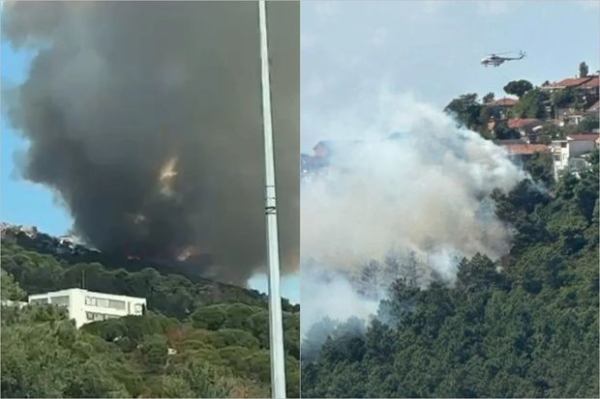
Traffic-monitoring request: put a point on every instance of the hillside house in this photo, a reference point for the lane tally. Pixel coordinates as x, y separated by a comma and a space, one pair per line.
501, 107
587, 83
587, 89
10, 229
591, 89
570, 154
525, 126
521, 150
580, 144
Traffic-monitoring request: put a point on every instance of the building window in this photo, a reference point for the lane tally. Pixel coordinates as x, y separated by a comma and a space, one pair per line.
93, 316
105, 303
39, 301
102, 302
59, 300
120, 305
138, 308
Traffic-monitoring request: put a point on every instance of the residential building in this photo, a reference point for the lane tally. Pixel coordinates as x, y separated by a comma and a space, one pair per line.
560, 156
591, 89
501, 107
587, 89
521, 150
570, 154
7, 228
507, 142
525, 126
86, 306
587, 82
580, 144
504, 102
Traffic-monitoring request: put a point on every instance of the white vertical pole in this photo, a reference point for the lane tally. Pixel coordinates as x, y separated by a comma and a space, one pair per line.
275, 314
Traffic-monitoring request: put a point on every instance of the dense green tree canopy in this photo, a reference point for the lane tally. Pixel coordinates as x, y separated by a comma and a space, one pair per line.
189, 344
531, 105
518, 87
469, 112
503, 132
523, 326
583, 70
488, 98
10, 290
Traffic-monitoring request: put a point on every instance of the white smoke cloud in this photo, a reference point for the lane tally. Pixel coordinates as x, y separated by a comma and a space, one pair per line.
332, 296
425, 192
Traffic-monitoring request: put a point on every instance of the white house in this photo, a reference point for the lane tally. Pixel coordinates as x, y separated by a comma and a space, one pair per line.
580, 144
567, 154
86, 306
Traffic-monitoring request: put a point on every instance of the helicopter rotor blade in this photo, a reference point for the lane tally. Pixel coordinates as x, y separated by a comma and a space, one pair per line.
505, 52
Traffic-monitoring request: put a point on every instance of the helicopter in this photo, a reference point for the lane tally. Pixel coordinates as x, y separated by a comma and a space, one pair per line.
496, 60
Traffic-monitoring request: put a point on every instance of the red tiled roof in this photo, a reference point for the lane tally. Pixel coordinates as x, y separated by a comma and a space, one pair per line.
525, 149
504, 102
583, 137
573, 82
517, 123
590, 84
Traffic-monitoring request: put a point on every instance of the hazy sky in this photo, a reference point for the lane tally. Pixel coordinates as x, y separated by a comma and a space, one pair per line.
433, 49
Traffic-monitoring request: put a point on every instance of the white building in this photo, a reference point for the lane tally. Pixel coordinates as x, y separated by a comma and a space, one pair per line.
560, 156
86, 306
570, 153
580, 144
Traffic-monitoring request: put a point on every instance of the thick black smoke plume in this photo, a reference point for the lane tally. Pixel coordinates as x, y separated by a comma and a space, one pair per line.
145, 118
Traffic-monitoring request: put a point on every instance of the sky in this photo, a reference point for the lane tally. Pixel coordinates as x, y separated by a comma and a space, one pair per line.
23, 202
432, 50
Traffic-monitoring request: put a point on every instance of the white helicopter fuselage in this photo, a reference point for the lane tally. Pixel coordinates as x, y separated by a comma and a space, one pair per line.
491, 61
496, 60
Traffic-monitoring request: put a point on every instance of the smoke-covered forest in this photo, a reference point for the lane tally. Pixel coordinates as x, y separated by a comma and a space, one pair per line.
524, 326
196, 340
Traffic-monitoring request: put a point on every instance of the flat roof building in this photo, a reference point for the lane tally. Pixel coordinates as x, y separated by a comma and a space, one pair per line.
87, 306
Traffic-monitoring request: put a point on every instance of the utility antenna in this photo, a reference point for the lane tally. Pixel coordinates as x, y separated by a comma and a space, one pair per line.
275, 316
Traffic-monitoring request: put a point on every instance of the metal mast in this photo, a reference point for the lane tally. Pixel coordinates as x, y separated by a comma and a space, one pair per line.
275, 315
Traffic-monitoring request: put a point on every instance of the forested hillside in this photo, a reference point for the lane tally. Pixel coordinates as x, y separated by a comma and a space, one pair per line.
198, 339
525, 326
